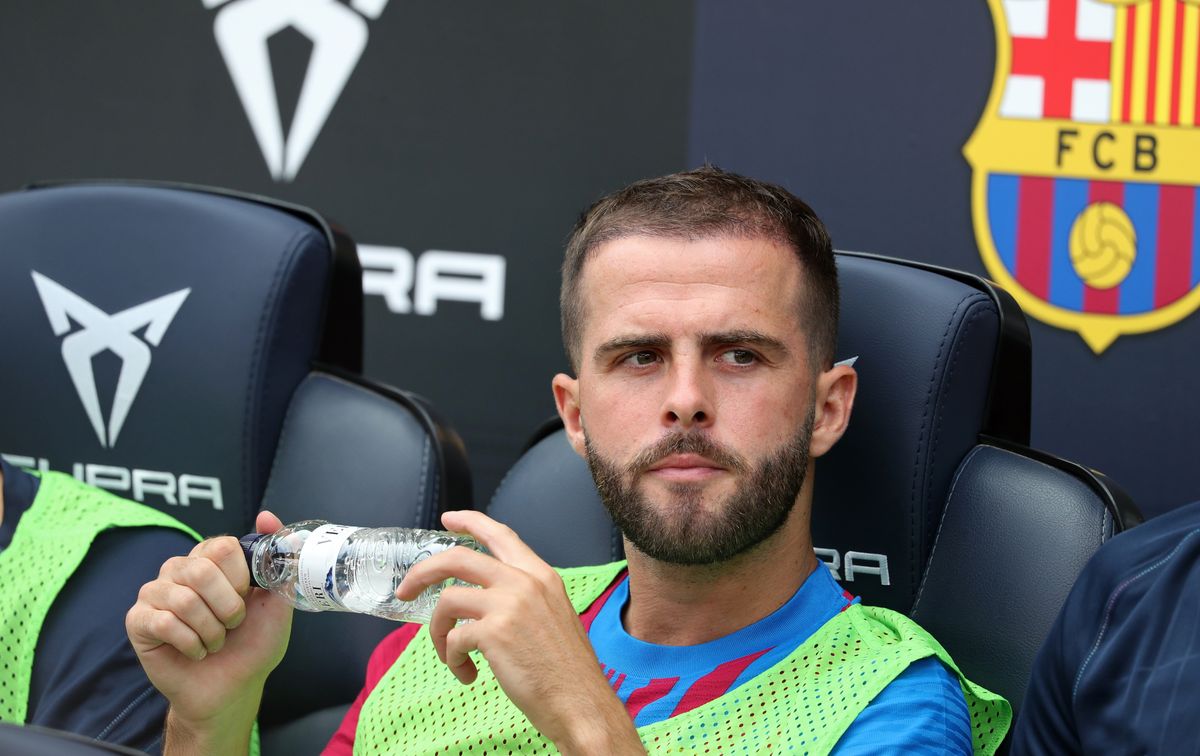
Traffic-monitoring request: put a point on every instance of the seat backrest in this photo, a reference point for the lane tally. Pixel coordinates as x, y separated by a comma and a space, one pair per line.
943, 359
199, 350
162, 332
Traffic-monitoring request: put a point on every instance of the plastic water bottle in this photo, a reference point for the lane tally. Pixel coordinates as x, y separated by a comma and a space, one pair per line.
320, 567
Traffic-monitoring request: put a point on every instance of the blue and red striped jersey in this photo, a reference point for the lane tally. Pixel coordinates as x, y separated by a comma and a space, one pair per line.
656, 682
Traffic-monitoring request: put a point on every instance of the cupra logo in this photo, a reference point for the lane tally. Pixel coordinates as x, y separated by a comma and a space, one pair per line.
339, 36
103, 332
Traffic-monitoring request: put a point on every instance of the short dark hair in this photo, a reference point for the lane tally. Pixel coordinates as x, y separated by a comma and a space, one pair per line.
704, 203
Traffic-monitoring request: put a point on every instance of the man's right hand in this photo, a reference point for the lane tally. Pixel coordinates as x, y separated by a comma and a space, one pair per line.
207, 641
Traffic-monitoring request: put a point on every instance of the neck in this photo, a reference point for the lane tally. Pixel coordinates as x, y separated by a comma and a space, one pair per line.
677, 605
1, 494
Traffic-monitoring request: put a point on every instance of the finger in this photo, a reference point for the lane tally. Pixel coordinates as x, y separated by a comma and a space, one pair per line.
499, 539
454, 604
465, 564
267, 523
150, 629
459, 643
226, 553
209, 582
187, 605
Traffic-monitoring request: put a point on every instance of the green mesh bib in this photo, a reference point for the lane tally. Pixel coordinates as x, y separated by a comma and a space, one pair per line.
50, 541
802, 704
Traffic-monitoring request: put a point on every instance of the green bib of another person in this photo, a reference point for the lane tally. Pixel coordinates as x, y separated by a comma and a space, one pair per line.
802, 704
51, 540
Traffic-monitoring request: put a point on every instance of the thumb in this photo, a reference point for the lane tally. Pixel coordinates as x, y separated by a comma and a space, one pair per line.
267, 523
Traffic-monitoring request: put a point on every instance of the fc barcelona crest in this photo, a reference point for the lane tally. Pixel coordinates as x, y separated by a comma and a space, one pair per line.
1086, 164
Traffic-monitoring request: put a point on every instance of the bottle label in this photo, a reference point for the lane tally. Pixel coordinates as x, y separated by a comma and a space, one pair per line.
317, 558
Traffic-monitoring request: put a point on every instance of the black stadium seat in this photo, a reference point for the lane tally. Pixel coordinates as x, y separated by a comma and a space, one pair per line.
932, 504
200, 351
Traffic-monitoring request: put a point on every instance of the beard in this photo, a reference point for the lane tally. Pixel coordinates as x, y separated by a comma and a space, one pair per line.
683, 530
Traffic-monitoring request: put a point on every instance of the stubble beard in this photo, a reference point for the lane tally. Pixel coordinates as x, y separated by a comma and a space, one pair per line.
688, 530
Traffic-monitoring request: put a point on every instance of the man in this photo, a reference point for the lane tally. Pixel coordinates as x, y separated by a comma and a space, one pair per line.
700, 318
71, 559
1119, 671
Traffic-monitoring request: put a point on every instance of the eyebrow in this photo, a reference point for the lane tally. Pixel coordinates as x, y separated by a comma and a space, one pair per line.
707, 340
749, 338
621, 343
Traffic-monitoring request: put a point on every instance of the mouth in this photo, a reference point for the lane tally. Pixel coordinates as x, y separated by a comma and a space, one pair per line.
684, 468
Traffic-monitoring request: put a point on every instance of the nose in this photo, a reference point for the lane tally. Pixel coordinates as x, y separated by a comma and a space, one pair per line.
688, 401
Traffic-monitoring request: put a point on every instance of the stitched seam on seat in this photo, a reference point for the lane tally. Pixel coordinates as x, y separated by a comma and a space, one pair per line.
435, 496
500, 488
125, 712
1112, 600
258, 383
285, 432
960, 340
941, 522
914, 573
424, 506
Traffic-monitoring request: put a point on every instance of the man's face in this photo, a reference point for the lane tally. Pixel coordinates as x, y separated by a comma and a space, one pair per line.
695, 394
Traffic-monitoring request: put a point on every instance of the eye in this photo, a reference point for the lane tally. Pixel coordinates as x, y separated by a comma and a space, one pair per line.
643, 358
738, 357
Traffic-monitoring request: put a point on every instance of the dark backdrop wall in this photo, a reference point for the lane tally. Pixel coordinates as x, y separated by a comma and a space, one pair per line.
459, 141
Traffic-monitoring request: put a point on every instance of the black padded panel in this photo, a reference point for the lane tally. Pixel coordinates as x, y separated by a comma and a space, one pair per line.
548, 493
1014, 536
28, 740
223, 368
353, 456
925, 344
306, 736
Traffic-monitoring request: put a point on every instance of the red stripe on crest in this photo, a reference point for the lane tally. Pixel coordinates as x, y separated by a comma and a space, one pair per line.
1196, 110
1130, 28
1173, 272
1104, 300
1177, 64
1151, 81
1035, 210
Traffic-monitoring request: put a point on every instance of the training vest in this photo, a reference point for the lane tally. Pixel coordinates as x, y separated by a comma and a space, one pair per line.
804, 703
50, 541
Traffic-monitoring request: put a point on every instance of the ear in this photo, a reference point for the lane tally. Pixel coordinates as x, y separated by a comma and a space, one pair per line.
566, 399
836, 388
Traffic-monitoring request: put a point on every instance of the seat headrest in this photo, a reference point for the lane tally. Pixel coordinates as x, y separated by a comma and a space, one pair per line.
943, 358
162, 332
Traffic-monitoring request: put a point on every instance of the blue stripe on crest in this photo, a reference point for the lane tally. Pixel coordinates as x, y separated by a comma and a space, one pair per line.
1002, 217
1196, 239
1066, 288
1137, 290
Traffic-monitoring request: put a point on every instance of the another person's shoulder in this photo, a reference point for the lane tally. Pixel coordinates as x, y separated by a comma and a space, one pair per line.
1120, 667
1137, 571
1157, 540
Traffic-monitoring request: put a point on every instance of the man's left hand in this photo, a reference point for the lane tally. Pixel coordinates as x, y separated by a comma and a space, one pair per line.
524, 625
